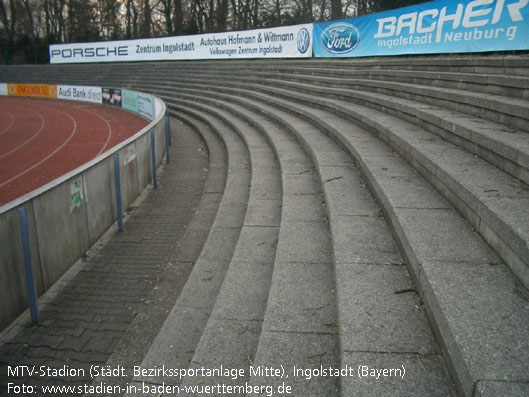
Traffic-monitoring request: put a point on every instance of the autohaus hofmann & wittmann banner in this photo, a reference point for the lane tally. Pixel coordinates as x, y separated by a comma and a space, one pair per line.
444, 26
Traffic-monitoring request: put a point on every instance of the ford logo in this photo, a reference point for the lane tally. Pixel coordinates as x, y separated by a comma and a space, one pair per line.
340, 38
303, 40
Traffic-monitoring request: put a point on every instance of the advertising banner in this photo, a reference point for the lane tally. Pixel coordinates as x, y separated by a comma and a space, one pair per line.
3, 89
111, 97
146, 106
443, 26
80, 93
32, 90
284, 42
129, 100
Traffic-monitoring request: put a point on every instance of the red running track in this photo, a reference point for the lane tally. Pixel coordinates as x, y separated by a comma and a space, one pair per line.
41, 139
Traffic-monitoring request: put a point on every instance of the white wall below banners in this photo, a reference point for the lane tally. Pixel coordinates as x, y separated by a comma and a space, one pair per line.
284, 42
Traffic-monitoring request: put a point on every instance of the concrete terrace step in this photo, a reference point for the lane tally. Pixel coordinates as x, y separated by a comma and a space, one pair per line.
485, 88
354, 216
448, 168
497, 143
498, 108
301, 318
475, 303
331, 304
291, 322
453, 171
434, 259
233, 330
508, 81
501, 144
378, 259
487, 71
175, 344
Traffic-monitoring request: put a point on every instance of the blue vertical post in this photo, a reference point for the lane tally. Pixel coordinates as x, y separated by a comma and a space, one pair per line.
168, 127
28, 263
153, 155
118, 192
167, 144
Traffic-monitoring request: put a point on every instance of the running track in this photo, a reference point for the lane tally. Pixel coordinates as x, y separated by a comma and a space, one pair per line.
41, 140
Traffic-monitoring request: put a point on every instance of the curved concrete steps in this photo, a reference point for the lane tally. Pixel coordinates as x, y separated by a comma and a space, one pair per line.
234, 327
449, 169
502, 141
411, 130
176, 342
415, 224
357, 216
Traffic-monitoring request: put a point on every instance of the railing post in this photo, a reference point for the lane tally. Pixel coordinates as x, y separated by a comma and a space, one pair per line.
167, 139
168, 127
153, 155
28, 263
118, 192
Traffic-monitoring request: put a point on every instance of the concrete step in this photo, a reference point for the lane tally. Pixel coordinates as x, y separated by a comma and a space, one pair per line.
181, 332
453, 171
450, 169
367, 260
501, 141
476, 305
232, 333
505, 101
374, 256
497, 78
304, 244
493, 299
299, 327
500, 144
513, 112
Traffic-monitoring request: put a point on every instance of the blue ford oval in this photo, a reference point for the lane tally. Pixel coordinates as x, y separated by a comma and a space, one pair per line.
340, 38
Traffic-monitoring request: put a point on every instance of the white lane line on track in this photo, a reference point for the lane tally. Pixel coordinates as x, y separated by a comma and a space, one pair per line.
109, 128
49, 155
42, 125
10, 115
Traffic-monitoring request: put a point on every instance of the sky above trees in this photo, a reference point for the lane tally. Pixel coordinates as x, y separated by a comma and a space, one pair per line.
27, 27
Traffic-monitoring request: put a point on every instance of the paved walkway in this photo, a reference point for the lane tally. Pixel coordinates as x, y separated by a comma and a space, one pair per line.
115, 304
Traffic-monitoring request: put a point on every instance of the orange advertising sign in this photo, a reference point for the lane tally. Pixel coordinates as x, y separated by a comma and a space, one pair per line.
33, 90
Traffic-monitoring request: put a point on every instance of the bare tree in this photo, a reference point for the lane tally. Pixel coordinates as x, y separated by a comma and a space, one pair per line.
178, 17
303, 9
9, 18
146, 25
167, 11
336, 9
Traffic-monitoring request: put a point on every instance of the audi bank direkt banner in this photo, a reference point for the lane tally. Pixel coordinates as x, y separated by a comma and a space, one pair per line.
284, 42
434, 27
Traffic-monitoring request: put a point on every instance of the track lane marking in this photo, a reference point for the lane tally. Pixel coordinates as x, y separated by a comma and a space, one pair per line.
10, 124
42, 125
109, 128
48, 156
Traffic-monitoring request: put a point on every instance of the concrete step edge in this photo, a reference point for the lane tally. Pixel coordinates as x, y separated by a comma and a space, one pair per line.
184, 324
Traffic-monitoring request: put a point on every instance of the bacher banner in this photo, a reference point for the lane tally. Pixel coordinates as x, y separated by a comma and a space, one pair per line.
443, 26
284, 42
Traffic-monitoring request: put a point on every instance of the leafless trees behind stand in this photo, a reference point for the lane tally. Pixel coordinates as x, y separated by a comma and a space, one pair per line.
28, 26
